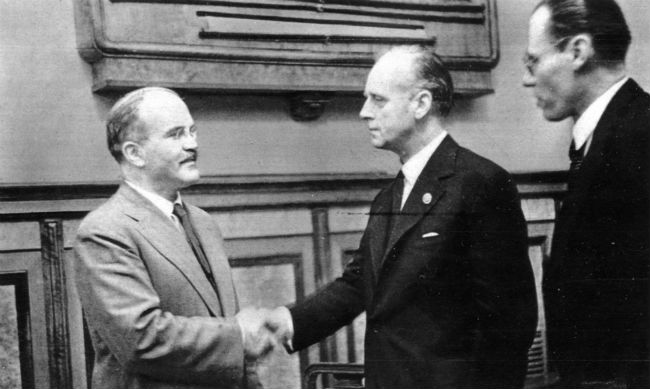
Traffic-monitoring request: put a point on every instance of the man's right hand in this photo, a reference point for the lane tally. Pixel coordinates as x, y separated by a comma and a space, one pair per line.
280, 322
258, 339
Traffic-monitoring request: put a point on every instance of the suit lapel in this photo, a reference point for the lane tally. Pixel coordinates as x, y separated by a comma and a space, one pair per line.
170, 243
425, 193
602, 136
590, 169
378, 226
211, 241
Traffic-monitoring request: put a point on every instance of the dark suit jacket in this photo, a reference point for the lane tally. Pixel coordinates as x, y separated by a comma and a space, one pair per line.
596, 284
154, 318
449, 294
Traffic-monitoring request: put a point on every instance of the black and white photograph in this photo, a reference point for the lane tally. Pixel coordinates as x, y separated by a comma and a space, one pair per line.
324, 194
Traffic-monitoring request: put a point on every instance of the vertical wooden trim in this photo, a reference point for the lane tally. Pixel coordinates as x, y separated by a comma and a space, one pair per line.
349, 333
24, 331
323, 269
56, 303
350, 330
23, 323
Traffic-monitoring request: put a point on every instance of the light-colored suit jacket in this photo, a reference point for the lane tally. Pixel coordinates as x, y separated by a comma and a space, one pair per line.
154, 319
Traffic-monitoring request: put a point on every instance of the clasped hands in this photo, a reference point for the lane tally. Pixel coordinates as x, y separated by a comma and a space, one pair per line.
264, 330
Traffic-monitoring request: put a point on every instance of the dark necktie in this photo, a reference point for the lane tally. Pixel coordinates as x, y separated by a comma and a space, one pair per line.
398, 192
193, 240
576, 157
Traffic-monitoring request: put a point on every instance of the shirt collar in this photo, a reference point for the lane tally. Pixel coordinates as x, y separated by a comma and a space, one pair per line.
414, 166
586, 123
166, 206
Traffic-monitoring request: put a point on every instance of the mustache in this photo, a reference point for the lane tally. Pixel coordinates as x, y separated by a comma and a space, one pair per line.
193, 155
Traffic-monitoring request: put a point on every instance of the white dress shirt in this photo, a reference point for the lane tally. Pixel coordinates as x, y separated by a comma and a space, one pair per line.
166, 206
584, 127
414, 166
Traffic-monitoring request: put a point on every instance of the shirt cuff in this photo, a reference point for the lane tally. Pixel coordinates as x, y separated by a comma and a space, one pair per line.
288, 320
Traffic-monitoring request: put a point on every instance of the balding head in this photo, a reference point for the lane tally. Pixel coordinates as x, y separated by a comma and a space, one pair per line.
124, 121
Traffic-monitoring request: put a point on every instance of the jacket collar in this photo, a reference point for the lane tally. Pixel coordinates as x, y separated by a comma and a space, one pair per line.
425, 194
160, 231
603, 133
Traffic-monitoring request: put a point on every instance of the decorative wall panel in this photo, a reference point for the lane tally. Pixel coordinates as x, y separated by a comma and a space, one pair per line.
277, 45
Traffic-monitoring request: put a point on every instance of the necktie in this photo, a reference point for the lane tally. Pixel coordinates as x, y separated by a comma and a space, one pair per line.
192, 239
398, 192
576, 157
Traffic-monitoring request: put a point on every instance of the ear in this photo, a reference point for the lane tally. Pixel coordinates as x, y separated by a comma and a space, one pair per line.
582, 50
133, 153
423, 101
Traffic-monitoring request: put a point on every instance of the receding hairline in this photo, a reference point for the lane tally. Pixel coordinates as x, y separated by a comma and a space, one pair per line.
141, 95
408, 59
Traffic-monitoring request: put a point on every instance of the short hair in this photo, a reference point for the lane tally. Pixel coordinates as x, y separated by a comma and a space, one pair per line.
430, 74
602, 19
123, 122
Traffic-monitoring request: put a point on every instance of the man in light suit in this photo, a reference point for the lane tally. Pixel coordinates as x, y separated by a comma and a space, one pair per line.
442, 270
151, 272
596, 282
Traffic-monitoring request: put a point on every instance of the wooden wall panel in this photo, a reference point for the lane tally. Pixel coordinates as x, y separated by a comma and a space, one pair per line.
27, 265
267, 282
15, 236
285, 236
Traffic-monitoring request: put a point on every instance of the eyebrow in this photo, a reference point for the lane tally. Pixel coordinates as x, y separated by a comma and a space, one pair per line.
175, 129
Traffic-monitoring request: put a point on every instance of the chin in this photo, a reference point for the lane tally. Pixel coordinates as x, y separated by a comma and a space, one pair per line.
377, 143
190, 179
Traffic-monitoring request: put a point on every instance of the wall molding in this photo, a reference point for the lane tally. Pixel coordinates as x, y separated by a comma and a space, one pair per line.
278, 45
25, 201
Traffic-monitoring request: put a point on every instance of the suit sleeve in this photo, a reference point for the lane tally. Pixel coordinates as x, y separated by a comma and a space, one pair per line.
332, 307
123, 308
502, 280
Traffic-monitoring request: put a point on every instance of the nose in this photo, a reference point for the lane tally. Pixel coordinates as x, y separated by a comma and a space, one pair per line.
365, 111
190, 142
528, 79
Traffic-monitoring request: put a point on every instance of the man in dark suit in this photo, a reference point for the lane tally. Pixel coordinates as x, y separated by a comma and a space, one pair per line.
442, 270
596, 282
154, 281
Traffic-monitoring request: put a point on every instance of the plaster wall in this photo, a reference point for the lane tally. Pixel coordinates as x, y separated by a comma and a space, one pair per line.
51, 124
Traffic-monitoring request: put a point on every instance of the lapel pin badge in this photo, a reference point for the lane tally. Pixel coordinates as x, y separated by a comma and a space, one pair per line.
426, 198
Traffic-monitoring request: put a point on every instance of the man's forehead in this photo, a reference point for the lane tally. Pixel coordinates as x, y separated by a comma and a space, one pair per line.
393, 69
162, 111
538, 29
160, 103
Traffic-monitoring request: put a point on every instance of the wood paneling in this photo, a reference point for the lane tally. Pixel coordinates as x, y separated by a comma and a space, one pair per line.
56, 303
15, 337
266, 282
23, 269
285, 235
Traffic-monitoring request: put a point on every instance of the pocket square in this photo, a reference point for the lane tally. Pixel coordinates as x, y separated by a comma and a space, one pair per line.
430, 235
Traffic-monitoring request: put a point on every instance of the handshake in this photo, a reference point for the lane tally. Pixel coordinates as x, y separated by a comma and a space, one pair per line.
264, 330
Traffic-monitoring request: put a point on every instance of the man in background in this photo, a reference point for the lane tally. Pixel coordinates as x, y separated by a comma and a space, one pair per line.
442, 270
154, 281
596, 282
